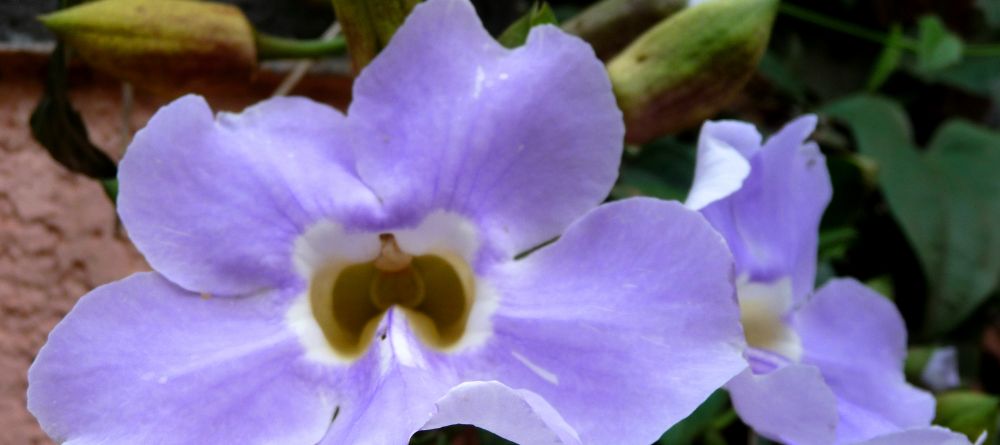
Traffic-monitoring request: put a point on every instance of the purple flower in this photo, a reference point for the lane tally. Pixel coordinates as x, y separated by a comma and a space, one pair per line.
941, 371
825, 366
322, 278
927, 435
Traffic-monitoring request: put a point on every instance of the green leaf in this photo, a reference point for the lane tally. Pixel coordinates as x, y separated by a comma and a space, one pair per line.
702, 421
60, 129
517, 33
937, 47
991, 11
888, 60
977, 75
662, 169
917, 358
883, 285
966, 158
945, 200
640, 182
775, 69
968, 412
110, 187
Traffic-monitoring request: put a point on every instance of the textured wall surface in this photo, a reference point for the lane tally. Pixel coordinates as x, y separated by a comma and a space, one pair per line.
59, 236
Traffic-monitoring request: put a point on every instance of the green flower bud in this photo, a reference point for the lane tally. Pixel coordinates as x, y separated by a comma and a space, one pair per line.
160, 44
686, 68
610, 25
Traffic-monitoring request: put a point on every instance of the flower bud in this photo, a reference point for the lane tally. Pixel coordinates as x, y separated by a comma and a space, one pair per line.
610, 25
162, 45
686, 68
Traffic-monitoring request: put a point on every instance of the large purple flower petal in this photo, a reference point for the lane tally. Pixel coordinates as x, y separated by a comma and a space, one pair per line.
391, 391
624, 325
143, 361
772, 221
857, 339
791, 404
517, 415
215, 204
523, 142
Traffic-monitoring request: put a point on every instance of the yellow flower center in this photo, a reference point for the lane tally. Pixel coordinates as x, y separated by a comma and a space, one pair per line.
763, 307
436, 291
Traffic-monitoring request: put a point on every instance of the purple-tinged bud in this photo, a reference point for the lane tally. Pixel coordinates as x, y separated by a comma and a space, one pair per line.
161, 45
689, 66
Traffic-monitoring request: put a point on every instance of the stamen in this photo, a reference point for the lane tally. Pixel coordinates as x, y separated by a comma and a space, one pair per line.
391, 258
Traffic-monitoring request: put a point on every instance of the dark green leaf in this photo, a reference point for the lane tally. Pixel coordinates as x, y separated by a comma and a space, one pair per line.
663, 169
774, 68
639, 182
701, 421
488, 438
883, 285
110, 187
977, 75
966, 159
517, 33
60, 129
945, 200
917, 358
888, 60
833, 243
968, 412
991, 11
937, 47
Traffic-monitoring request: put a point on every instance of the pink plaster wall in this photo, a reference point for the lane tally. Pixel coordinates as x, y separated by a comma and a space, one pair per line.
59, 236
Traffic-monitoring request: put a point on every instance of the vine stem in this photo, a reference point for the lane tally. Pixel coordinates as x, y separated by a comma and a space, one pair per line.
274, 47
302, 67
851, 29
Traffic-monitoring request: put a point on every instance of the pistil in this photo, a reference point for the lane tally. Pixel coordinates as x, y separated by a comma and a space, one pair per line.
391, 258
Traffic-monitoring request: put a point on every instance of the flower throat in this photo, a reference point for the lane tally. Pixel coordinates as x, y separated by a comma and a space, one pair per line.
435, 292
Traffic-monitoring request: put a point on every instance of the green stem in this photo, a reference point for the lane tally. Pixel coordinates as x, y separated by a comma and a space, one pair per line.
722, 422
274, 47
841, 26
806, 15
984, 50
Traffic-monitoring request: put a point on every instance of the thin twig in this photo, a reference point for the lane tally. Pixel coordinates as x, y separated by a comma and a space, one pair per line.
302, 67
128, 97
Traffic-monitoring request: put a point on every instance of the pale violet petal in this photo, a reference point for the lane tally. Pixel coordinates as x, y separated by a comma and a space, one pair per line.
144, 361
941, 371
520, 141
516, 415
720, 171
215, 204
393, 389
930, 435
624, 325
791, 404
857, 339
772, 222
722, 165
